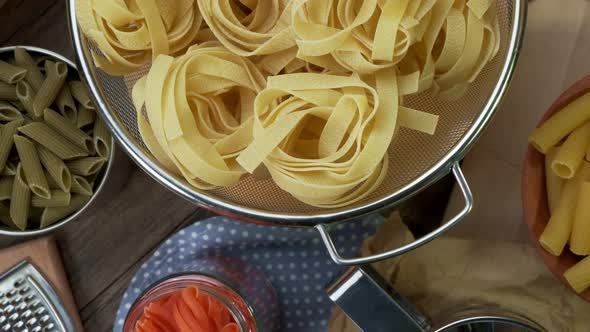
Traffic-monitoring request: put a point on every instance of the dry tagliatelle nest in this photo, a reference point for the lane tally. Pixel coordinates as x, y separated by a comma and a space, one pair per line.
310, 90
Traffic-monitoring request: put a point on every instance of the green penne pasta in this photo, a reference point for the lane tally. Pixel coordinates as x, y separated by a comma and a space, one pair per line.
92, 178
54, 214
101, 139
24, 60
86, 166
80, 93
52, 140
66, 105
51, 182
86, 116
6, 187
7, 91
35, 216
7, 133
81, 186
20, 200
10, 73
68, 130
26, 96
56, 74
18, 105
5, 216
58, 198
9, 169
31, 165
40, 61
9, 112
59, 174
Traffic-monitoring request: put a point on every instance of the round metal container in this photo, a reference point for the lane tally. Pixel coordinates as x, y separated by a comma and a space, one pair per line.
416, 161
72, 73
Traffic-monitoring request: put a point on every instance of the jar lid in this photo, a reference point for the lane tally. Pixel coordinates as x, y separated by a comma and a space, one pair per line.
375, 306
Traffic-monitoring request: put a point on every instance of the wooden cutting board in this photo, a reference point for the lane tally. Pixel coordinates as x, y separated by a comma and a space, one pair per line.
44, 255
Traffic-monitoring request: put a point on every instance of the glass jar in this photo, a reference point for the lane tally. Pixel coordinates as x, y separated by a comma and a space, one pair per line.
243, 290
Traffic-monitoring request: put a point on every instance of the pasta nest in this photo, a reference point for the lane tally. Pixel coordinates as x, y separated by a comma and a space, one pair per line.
323, 138
199, 112
253, 28
130, 33
448, 42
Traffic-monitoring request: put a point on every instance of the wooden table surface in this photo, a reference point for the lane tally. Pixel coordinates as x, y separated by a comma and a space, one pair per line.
103, 249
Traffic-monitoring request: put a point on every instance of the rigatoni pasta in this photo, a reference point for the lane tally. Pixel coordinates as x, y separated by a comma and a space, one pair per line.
559, 227
571, 154
579, 275
553, 182
580, 236
38, 136
565, 140
560, 125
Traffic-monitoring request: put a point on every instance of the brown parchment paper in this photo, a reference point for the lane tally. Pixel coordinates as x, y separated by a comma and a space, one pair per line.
451, 273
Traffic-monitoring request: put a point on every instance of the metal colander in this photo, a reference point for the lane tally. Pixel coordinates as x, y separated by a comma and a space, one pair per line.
416, 159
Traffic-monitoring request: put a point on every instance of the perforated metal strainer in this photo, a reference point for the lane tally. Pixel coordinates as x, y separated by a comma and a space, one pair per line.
416, 160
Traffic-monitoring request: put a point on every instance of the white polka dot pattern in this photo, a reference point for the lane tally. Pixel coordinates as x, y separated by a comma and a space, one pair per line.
294, 260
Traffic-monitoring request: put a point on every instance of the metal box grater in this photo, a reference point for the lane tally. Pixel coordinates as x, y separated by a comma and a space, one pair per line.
28, 303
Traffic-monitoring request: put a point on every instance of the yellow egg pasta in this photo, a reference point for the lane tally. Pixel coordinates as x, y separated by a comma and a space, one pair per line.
249, 28
571, 154
368, 36
309, 92
580, 237
324, 138
561, 124
199, 111
553, 182
130, 34
579, 275
559, 228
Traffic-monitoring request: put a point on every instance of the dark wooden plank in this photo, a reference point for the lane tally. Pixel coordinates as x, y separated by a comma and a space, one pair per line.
131, 216
30, 26
19, 15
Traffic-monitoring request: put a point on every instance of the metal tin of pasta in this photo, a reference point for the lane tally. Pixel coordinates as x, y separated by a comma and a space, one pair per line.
261, 202
101, 178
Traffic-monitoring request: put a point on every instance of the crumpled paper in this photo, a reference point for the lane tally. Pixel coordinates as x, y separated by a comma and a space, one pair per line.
450, 274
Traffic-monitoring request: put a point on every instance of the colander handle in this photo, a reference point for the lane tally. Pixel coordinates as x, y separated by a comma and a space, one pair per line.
467, 195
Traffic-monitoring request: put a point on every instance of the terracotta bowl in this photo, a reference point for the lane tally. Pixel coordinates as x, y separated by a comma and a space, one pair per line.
534, 194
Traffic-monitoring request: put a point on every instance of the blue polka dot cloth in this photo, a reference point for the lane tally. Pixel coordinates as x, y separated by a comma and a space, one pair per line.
294, 260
